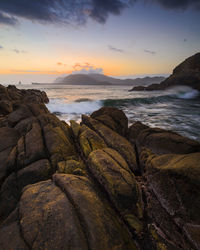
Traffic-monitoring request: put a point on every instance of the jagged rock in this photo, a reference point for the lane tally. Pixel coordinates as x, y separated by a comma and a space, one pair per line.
90, 141
9, 138
113, 173
58, 145
174, 181
161, 141
34, 145
113, 140
113, 118
5, 107
187, 73
10, 235
71, 167
115, 191
68, 212
13, 185
134, 131
75, 128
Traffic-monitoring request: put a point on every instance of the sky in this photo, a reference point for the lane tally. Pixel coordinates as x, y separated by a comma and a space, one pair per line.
41, 40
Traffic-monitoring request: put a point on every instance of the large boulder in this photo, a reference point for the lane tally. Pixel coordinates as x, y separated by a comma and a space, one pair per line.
113, 118
161, 141
113, 140
174, 181
66, 213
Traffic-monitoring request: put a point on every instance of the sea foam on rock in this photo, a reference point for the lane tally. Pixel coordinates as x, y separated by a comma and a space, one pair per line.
93, 185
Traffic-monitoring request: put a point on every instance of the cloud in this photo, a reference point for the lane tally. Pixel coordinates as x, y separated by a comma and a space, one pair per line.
78, 11
185, 40
115, 49
179, 4
20, 51
65, 11
150, 51
86, 68
7, 19
1, 47
61, 64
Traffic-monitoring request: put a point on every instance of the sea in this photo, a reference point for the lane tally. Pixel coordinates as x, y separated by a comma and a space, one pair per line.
176, 109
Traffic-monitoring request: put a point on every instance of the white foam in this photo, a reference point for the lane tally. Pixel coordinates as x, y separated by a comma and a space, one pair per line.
59, 106
184, 92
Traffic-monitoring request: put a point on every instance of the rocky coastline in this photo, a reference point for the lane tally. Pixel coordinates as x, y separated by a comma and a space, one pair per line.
185, 74
95, 185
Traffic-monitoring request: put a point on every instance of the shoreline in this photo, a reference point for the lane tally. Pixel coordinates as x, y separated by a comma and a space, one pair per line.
95, 185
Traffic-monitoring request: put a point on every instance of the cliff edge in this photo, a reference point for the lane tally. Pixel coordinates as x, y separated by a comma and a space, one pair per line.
187, 73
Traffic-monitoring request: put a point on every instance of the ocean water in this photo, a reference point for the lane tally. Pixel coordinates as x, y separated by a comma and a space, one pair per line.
177, 109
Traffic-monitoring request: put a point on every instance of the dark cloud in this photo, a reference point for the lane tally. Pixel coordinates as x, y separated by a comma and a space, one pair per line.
150, 51
63, 10
7, 20
78, 11
115, 49
185, 40
179, 4
1, 47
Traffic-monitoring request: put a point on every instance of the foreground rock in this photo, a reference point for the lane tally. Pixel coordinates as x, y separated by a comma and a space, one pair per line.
187, 73
94, 185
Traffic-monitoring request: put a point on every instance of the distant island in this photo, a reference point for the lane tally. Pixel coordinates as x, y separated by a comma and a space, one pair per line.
187, 73
100, 79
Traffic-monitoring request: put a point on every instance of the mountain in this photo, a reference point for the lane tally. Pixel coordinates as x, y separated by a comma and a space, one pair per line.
187, 73
100, 79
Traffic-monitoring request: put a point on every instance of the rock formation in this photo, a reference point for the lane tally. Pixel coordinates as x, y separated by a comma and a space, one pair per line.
93, 185
187, 73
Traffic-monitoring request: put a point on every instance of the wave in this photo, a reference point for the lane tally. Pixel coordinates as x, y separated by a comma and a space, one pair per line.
87, 106
84, 107
183, 92
137, 101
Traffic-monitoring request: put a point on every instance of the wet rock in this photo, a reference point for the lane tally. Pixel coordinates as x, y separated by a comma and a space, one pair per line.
34, 145
11, 189
161, 141
113, 140
71, 167
134, 131
90, 141
58, 145
67, 212
114, 187
5, 107
10, 235
113, 173
174, 181
113, 118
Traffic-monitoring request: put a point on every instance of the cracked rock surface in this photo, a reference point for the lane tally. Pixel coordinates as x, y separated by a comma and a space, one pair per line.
93, 185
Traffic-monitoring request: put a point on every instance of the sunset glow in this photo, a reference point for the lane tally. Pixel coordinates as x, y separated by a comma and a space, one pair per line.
144, 39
